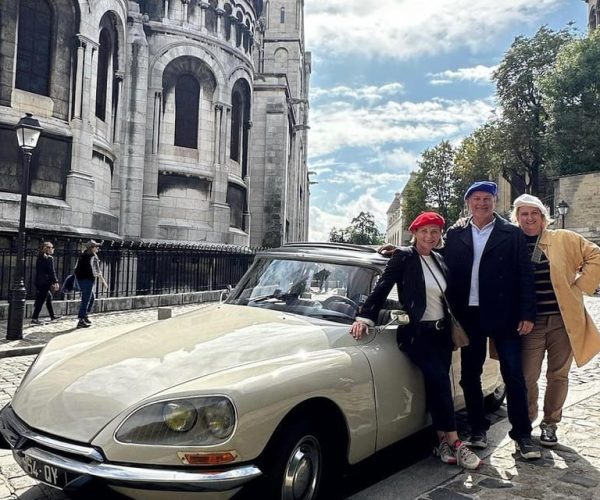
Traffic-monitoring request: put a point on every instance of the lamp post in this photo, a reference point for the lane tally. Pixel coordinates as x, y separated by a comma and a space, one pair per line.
28, 132
563, 209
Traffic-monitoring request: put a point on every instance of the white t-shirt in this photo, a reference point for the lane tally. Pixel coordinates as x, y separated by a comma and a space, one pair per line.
435, 304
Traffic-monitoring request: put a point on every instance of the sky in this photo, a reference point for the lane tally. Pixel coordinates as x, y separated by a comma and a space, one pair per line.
394, 77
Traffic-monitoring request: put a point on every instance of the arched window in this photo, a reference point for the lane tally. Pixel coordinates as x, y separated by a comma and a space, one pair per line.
282, 15
187, 99
236, 125
104, 53
33, 47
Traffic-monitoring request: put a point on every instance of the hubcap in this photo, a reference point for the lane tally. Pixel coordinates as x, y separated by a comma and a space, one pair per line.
302, 470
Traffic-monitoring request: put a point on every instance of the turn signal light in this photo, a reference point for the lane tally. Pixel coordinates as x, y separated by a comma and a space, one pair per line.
215, 458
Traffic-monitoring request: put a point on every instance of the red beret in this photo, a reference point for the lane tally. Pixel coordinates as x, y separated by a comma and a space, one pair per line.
426, 218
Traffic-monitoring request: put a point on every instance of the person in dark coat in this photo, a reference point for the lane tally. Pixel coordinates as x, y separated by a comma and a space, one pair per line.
421, 276
87, 271
492, 294
45, 282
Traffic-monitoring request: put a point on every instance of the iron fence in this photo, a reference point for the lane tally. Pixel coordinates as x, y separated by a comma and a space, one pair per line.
142, 269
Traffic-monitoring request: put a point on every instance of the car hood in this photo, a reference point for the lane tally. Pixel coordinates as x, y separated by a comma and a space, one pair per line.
79, 385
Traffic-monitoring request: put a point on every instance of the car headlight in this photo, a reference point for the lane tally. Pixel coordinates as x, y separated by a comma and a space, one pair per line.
190, 421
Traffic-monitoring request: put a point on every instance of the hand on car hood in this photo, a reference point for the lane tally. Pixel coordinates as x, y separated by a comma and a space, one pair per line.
76, 394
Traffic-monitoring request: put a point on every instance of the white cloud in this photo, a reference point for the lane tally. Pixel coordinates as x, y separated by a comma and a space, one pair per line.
370, 93
341, 215
476, 74
403, 29
337, 125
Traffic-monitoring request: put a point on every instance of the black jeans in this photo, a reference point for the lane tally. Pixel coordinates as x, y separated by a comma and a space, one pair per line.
431, 351
509, 354
42, 294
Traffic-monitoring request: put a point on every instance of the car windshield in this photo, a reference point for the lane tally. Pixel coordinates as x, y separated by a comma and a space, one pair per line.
316, 289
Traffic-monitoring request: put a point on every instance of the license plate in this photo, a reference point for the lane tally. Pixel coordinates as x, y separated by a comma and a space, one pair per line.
42, 471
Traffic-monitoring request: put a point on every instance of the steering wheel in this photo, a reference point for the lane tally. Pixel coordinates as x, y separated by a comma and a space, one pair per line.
339, 298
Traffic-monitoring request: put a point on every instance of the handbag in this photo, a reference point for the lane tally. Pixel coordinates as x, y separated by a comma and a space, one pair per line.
457, 332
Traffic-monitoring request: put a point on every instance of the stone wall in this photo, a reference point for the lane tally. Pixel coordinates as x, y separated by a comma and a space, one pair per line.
582, 193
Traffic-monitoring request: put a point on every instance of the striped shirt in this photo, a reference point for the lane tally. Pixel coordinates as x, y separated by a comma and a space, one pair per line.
545, 297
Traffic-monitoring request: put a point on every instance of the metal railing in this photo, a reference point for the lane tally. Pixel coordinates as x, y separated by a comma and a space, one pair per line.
142, 269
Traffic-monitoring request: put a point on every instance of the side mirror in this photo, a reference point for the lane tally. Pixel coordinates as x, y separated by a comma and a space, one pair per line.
225, 294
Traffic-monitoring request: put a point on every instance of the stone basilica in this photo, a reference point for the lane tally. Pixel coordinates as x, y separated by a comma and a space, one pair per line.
163, 120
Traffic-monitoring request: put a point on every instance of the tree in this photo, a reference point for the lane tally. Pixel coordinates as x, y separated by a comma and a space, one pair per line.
414, 198
361, 231
524, 117
572, 99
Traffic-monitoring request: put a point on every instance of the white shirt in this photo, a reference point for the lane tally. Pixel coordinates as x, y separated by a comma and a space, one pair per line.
435, 305
480, 238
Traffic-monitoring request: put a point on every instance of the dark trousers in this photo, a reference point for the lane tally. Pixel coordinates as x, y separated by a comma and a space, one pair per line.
42, 294
509, 354
87, 297
431, 351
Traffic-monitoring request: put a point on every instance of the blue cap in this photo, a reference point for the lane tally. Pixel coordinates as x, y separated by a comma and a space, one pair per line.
485, 186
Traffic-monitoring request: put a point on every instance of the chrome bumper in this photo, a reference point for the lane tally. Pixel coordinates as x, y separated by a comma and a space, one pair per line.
89, 461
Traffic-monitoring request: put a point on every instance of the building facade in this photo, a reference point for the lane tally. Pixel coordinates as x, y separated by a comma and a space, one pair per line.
395, 232
164, 120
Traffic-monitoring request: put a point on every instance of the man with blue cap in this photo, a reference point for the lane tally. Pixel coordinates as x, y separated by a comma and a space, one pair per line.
492, 293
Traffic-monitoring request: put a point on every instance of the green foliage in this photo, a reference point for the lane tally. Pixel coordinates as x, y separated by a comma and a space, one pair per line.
414, 198
572, 99
362, 231
524, 118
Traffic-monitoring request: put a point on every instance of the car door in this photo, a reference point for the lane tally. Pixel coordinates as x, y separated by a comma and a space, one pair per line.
398, 387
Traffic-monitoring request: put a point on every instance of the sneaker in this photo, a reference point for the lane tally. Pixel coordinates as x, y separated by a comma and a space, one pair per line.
548, 436
477, 440
55, 318
82, 324
37, 322
527, 449
465, 458
445, 453
87, 320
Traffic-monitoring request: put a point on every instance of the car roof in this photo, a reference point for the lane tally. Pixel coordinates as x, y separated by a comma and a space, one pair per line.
332, 252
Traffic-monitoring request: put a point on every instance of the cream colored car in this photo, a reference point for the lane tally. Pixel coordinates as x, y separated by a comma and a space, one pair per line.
267, 391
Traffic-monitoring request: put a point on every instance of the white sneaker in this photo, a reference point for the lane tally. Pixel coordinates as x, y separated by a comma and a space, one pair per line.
445, 453
465, 457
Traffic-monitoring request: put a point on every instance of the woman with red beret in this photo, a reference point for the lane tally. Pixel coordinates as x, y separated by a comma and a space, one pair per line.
420, 275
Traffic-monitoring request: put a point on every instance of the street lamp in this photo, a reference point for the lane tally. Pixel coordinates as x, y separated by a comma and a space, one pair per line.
563, 209
28, 132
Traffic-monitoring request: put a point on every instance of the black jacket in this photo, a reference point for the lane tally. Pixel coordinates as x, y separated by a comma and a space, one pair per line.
405, 271
83, 269
44, 271
506, 281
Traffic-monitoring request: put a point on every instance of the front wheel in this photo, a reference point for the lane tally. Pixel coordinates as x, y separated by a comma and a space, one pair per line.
296, 462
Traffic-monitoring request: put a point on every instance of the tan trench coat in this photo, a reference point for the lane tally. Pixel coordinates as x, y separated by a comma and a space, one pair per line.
574, 270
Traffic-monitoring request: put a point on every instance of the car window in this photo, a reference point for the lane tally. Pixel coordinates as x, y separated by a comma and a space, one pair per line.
309, 288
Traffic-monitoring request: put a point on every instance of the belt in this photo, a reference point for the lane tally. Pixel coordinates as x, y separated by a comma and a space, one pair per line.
439, 324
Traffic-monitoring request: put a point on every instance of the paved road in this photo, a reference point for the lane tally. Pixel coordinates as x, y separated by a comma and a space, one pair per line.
14, 484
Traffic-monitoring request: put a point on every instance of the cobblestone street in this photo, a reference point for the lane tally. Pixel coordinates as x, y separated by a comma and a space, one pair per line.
572, 470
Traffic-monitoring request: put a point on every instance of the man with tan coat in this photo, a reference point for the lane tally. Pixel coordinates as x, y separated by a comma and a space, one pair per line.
566, 266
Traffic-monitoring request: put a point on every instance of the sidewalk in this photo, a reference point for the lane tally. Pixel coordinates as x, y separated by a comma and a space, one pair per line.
571, 470
35, 337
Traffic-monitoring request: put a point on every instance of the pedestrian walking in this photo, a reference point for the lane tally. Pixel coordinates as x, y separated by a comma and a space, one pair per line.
421, 276
87, 271
45, 283
566, 266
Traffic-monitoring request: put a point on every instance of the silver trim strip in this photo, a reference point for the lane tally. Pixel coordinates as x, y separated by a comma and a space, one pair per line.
162, 478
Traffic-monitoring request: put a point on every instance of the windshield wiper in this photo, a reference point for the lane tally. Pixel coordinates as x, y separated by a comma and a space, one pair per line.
277, 294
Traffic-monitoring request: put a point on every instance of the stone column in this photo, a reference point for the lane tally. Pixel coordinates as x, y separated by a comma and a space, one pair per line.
79, 77
185, 10
220, 28
234, 22
166, 13
156, 121
218, 138
118, 88
203, 7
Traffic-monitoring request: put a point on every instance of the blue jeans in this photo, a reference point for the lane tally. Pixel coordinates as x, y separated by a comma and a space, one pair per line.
87, 297
509, 354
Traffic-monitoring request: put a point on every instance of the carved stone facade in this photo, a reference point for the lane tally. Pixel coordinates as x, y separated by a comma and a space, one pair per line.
172, 120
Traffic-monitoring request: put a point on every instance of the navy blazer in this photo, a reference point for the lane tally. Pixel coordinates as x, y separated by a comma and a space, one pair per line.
405, 271
506, 280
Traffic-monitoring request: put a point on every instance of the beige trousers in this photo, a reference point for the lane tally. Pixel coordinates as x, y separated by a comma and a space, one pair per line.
549, 335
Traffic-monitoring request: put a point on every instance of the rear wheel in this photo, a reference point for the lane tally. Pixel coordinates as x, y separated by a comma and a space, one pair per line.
494, 401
